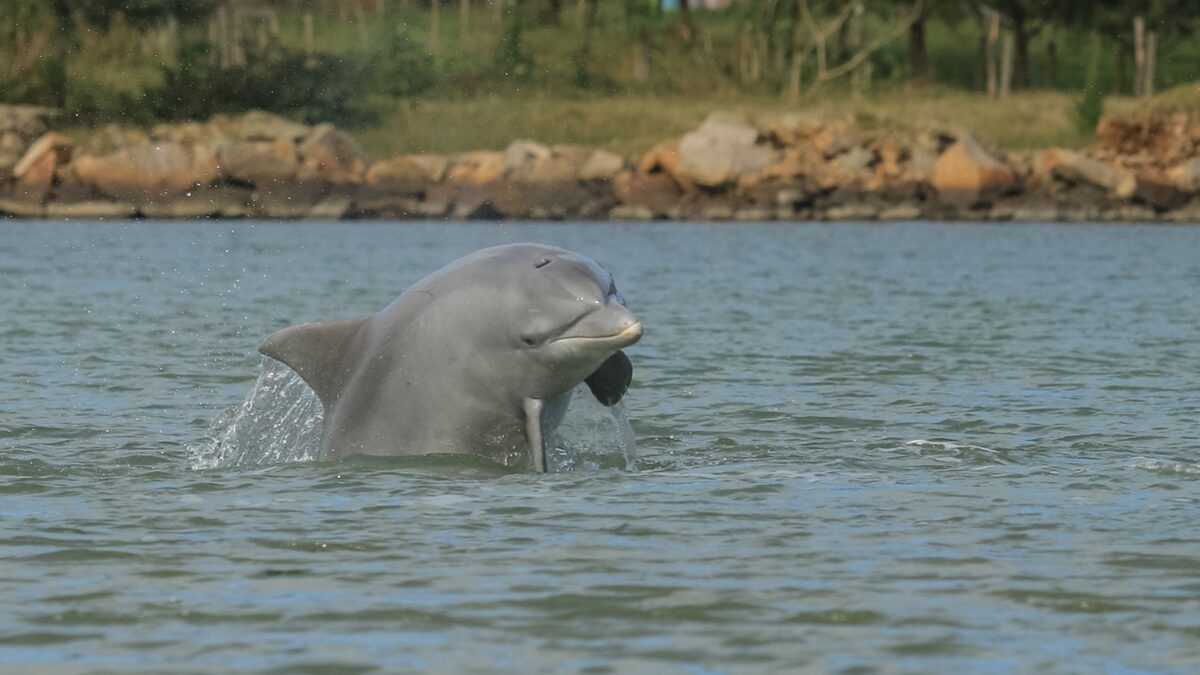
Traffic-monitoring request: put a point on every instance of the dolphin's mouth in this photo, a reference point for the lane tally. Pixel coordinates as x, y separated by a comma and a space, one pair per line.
627, 336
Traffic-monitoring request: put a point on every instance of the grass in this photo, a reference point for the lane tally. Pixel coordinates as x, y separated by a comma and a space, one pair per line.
631, 124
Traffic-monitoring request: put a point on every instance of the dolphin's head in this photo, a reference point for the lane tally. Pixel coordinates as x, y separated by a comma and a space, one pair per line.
569, 320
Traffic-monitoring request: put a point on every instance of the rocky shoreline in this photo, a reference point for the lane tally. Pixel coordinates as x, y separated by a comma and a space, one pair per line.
1140, 169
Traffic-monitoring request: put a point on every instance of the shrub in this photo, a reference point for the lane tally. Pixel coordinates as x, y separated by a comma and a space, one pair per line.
1088, 109
343, 89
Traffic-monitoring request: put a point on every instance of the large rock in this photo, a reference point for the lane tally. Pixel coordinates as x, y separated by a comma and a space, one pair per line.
41, 162
146, 170
399, 175
540, 200
1076, 167
331, 155
657, 192
720, 151
662, 157
1186, 175
26, 122
520, 156
1164, 137
530, 162
433, 166
1155, 190
187, 134
257, 125
795, 129
855, 161
601, 165
258, 162
408, 173
966, 173
477, 168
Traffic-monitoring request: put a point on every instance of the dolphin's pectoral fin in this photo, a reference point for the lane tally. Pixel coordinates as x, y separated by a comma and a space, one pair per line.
611, 379
320, 353
533, 433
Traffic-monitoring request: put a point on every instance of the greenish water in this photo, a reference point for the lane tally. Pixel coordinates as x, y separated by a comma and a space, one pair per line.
903, 448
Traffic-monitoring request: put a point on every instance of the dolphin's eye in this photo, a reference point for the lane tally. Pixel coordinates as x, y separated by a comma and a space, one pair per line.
541, 263
528, 340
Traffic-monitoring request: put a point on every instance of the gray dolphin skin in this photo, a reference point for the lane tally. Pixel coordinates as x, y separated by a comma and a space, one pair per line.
479, 357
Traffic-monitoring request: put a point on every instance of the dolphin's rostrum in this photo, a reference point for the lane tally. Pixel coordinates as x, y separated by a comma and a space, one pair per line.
479, 357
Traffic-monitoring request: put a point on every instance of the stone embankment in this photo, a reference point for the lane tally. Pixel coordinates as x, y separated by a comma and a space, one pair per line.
258, 165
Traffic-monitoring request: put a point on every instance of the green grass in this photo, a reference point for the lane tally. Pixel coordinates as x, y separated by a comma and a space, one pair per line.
631, 124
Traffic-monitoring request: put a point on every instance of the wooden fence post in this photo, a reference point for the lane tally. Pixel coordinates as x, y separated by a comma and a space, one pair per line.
464, 17
364, 34
1006, 65
1151, 62
435, 28
993, 34
310, 38
857, 40
1139, 56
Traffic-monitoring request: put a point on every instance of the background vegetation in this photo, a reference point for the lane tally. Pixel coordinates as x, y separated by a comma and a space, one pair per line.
445, 75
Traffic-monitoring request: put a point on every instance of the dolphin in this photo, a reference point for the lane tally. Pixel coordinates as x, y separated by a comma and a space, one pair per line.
479, 357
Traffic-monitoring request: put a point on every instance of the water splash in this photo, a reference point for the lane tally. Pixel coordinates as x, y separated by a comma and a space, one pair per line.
950, 452
592, 437
279, 421
625, 434
1167, 466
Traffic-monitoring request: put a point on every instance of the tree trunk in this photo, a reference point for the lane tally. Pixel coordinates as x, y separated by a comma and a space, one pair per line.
993, 35
550, 12
1122, 66
464, 19
583, 57
1052, 62
310, 46
858, 40
435, 27
641, 59
1139, 56
918, 54
1006, 66
1151, 58
685, 20
56, 70
1021, 32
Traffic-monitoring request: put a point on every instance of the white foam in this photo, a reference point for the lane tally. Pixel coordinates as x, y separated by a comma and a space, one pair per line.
1161, 466
949, 447
279, 421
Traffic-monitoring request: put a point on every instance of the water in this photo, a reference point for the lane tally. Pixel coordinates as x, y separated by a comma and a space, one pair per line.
902, 448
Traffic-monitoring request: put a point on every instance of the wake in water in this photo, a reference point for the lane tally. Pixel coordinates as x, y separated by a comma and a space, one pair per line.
280, 421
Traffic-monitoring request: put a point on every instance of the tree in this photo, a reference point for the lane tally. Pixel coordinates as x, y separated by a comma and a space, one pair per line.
67, 14
1028, 18
921, 11
1113, 19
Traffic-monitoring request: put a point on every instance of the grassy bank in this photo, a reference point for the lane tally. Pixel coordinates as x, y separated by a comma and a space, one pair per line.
632, 124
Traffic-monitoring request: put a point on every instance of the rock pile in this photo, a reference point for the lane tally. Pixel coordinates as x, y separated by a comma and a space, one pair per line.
20, 126
790, 168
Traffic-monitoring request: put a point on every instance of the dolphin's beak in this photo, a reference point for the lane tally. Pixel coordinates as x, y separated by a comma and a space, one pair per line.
612, 324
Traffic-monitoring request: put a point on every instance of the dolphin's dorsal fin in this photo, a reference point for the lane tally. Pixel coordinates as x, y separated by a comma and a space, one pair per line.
611, 379
320, 353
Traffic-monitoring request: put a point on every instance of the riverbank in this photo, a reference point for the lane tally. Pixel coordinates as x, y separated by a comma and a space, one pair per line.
1142, 167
